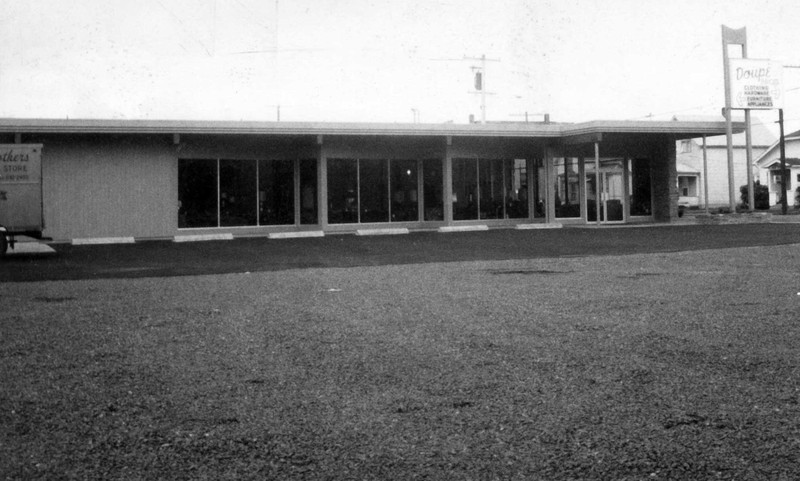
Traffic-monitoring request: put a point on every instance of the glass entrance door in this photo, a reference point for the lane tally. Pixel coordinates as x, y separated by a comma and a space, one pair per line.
608, 201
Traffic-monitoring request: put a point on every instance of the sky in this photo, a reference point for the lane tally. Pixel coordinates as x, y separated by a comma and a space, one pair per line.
383, 60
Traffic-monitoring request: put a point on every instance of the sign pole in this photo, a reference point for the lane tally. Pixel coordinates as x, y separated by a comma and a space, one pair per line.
736, 37
751, 196
749, 142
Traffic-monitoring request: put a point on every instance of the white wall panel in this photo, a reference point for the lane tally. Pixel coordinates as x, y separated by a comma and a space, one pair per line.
109, 186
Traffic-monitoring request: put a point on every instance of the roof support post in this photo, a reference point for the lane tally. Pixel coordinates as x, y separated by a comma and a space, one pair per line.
598, 189
447, 179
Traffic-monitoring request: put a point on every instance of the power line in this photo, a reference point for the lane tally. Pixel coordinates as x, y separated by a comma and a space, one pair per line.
183, 26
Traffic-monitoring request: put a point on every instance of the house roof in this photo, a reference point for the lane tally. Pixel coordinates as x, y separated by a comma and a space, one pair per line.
789, 163
686, 169
761, 135
678, 129
764, 160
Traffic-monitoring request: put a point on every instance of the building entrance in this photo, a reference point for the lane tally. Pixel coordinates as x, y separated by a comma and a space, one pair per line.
606, 204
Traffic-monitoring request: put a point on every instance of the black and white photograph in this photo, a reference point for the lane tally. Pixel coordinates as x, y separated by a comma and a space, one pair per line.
397, 240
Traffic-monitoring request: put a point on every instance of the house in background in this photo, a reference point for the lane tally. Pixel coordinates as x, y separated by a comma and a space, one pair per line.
769, 169
689, 156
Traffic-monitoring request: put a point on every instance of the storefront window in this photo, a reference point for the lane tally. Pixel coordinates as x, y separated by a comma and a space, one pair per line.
433, 180
541, 189
491, 189
516, 175
380, 190
567, 188
404, 195
373, 191
233, 193
276, 192
308, 191
465, 189
197, 193
237, 192
639, 187
342, 191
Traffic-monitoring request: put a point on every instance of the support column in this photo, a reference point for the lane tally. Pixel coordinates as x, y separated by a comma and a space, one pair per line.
550, 192
664, 181
598, 194
298, 206
447, 178
322, 184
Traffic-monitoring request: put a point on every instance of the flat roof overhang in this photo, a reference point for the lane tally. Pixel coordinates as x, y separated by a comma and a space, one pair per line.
577, 133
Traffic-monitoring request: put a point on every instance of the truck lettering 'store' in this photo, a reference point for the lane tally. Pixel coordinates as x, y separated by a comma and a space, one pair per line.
15, 168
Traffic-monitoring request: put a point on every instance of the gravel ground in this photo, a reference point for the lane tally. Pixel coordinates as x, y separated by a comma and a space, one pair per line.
648, 366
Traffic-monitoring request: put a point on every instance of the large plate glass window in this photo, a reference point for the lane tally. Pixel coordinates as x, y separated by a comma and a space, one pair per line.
276, 192
404, 194
465, 189
308, 191
567, 188
540, 182
197, 193
237, 192
374, 190
342, 191
433, 181
639, 187
491, 189
516, 188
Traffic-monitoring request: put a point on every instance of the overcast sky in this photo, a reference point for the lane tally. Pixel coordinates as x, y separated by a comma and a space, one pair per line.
376, 60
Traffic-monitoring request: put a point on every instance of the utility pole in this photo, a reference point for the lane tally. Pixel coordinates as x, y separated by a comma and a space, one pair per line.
784, 194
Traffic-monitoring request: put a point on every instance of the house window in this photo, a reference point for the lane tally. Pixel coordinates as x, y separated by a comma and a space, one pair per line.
776, 180
687, 185
686, 146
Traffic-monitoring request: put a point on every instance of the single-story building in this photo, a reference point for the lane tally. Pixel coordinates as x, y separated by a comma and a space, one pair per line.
148, 179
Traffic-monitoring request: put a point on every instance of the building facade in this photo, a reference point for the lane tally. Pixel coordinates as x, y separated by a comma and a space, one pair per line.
167, 179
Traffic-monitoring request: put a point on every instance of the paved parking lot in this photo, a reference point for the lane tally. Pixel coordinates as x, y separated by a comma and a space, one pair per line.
164, 258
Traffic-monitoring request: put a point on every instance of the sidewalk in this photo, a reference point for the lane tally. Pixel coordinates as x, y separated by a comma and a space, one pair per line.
166, 258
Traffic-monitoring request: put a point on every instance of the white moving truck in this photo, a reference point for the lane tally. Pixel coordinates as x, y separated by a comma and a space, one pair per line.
21, 211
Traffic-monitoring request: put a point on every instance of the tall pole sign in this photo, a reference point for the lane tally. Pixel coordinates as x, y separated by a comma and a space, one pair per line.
731, 37
749, 84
